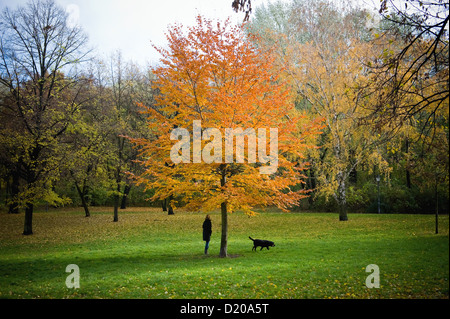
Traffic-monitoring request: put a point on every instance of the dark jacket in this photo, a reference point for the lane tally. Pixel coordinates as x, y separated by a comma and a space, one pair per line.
207, 230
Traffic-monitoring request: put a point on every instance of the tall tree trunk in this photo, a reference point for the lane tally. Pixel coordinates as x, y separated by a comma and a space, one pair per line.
169, 205
126, 191
116, 203
341, 198
116, 208
224, 237
343, 212
28, 225
223, 207
86, 203
118, 180
83, 200
164, 204
30, 178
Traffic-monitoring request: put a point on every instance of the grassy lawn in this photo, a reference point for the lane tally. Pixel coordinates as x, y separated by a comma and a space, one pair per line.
148, 254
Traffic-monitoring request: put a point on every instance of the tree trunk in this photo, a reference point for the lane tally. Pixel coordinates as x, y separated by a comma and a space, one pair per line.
28, 225
120, 144
224, 238
31, 178
341, 198
164, 204
126, 191
82, 194
85, 206
117, 195
343, 212
83, 199
116, 208
223, 207
116, 203
170, 206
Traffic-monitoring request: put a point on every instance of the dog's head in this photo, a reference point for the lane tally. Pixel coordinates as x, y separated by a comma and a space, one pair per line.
272, 244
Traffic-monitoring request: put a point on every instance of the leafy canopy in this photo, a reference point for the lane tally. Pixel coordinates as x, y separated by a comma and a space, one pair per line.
213, 74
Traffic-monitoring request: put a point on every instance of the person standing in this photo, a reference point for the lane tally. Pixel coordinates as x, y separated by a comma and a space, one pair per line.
207, 231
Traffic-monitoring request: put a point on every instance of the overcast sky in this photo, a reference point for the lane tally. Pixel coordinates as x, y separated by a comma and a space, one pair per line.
129, 25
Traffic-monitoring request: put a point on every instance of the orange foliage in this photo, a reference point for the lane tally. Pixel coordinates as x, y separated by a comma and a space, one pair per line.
214, 75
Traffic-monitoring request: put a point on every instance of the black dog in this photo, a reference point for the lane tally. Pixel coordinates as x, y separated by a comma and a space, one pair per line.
262, 243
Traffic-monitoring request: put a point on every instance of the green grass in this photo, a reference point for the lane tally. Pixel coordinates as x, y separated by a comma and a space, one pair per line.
148, 254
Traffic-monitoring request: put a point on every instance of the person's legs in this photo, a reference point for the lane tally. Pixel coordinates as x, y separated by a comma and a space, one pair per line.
206, 247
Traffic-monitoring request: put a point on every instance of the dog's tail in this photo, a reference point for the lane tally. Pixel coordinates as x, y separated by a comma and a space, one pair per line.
251, 238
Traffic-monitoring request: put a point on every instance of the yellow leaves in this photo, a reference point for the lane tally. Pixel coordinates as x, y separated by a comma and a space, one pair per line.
328, 77
211, 74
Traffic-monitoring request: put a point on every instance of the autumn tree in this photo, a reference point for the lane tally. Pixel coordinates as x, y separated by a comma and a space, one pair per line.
143, 91
124, 79
86, 141
410, 82
217, 90
322, 51
37, 50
